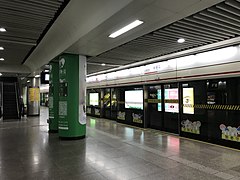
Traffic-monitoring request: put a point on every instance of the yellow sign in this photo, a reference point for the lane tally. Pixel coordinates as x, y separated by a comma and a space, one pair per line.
190, 130
231, 138
188, 101
137, 120
34, 94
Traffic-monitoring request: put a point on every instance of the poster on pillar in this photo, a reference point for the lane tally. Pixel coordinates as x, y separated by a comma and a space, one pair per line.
34, 94
72, 89
53, 96
62, 104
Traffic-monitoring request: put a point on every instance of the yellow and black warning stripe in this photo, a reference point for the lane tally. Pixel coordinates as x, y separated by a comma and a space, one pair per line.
195, 106
121, 102
171, 100
159, 101
153, 100
213, 106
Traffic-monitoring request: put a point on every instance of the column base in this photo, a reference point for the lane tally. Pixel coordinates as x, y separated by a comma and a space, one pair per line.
52, 131
33, 115
72, 138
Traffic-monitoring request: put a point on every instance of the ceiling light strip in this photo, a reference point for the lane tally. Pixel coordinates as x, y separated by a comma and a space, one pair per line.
103, 64
126, 28
2, 29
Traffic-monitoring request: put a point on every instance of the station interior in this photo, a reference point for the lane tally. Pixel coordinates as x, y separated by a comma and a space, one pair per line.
130, 89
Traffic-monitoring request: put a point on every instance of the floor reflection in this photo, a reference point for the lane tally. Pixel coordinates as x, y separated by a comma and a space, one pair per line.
109, 151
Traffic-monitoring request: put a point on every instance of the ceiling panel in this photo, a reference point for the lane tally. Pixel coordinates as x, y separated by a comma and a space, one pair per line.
25, 22
214, 24
95, 68
109, 60
84, 26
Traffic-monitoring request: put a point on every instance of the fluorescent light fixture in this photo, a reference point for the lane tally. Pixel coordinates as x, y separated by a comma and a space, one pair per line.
37, 76
103, 64
126, 28
2, 29
0, 74
46, 70
1, 59
1, 48
46, 77
181, 40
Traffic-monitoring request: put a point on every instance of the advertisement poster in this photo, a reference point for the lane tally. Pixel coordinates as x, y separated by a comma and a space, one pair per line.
134, 99
62, 104
63, 123
62, 71
191, 127
171, 100
159, 96
114, 100
93, 99
137, 118
230, 133
211, 98
50, 106
121, 115
89, 110
188, 100
97, 112
34, 94
106, 100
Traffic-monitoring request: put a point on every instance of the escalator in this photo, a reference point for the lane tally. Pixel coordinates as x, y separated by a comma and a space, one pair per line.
10, 101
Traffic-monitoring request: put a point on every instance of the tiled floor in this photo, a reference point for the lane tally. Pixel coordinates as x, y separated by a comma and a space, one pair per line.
110, 151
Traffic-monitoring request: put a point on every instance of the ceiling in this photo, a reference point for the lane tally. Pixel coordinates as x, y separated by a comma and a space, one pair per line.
26, 21
217, 23
83, 28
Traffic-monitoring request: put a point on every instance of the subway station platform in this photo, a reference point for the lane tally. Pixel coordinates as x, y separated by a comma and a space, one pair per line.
110, 151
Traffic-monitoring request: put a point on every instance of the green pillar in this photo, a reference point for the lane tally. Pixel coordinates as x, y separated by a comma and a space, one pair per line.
53, 96
72, 93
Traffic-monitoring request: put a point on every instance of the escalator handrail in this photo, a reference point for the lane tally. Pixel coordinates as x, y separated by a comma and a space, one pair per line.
1, 101
17, 98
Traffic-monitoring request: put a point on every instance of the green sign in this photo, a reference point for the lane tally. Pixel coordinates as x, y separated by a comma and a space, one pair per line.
72, 90
53, 96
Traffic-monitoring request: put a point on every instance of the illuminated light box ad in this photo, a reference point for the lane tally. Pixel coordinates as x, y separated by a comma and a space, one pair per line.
134, 99
106, 100
46, 77
159, 96
171, 100
93, 97
188, 100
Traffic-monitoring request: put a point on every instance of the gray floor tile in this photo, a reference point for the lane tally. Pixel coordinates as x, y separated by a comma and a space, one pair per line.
146, 169
94, 176
119, 173
129, 160
78, 170
109, 151
224, 175
161, 176
105, 165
